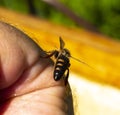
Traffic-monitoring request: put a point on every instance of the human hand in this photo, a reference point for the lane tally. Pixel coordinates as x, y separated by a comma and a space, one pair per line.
27, 86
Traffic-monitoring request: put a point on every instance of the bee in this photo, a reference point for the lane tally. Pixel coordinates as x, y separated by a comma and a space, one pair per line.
62, 63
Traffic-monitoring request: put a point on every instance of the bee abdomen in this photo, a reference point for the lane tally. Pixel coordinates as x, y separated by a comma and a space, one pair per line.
61, 65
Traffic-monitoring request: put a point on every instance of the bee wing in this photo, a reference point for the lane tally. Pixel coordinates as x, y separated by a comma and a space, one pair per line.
62, 43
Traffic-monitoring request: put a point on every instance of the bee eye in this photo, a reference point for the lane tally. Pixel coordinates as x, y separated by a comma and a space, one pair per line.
67, 53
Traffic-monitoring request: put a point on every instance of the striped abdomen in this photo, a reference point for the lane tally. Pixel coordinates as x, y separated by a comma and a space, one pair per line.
61, 66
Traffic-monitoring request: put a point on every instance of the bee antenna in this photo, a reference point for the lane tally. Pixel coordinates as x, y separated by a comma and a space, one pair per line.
80, 61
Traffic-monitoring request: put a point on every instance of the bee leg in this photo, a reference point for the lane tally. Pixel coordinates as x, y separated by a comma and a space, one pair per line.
68, 89
49, 54
66, 77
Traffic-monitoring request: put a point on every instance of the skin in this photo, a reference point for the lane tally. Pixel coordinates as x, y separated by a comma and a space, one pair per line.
27, 86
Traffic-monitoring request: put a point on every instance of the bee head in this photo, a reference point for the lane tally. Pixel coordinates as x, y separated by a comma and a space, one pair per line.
66, 52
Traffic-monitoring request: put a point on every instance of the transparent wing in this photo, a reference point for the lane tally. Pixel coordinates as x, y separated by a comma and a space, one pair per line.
62, 43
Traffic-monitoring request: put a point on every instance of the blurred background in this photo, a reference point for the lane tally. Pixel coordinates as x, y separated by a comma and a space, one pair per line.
92, 88
98, 15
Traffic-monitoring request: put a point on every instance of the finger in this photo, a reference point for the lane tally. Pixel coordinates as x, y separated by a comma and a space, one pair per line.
25, 74
22, 70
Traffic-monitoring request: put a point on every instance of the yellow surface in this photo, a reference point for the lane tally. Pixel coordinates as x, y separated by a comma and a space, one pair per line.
100, 52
